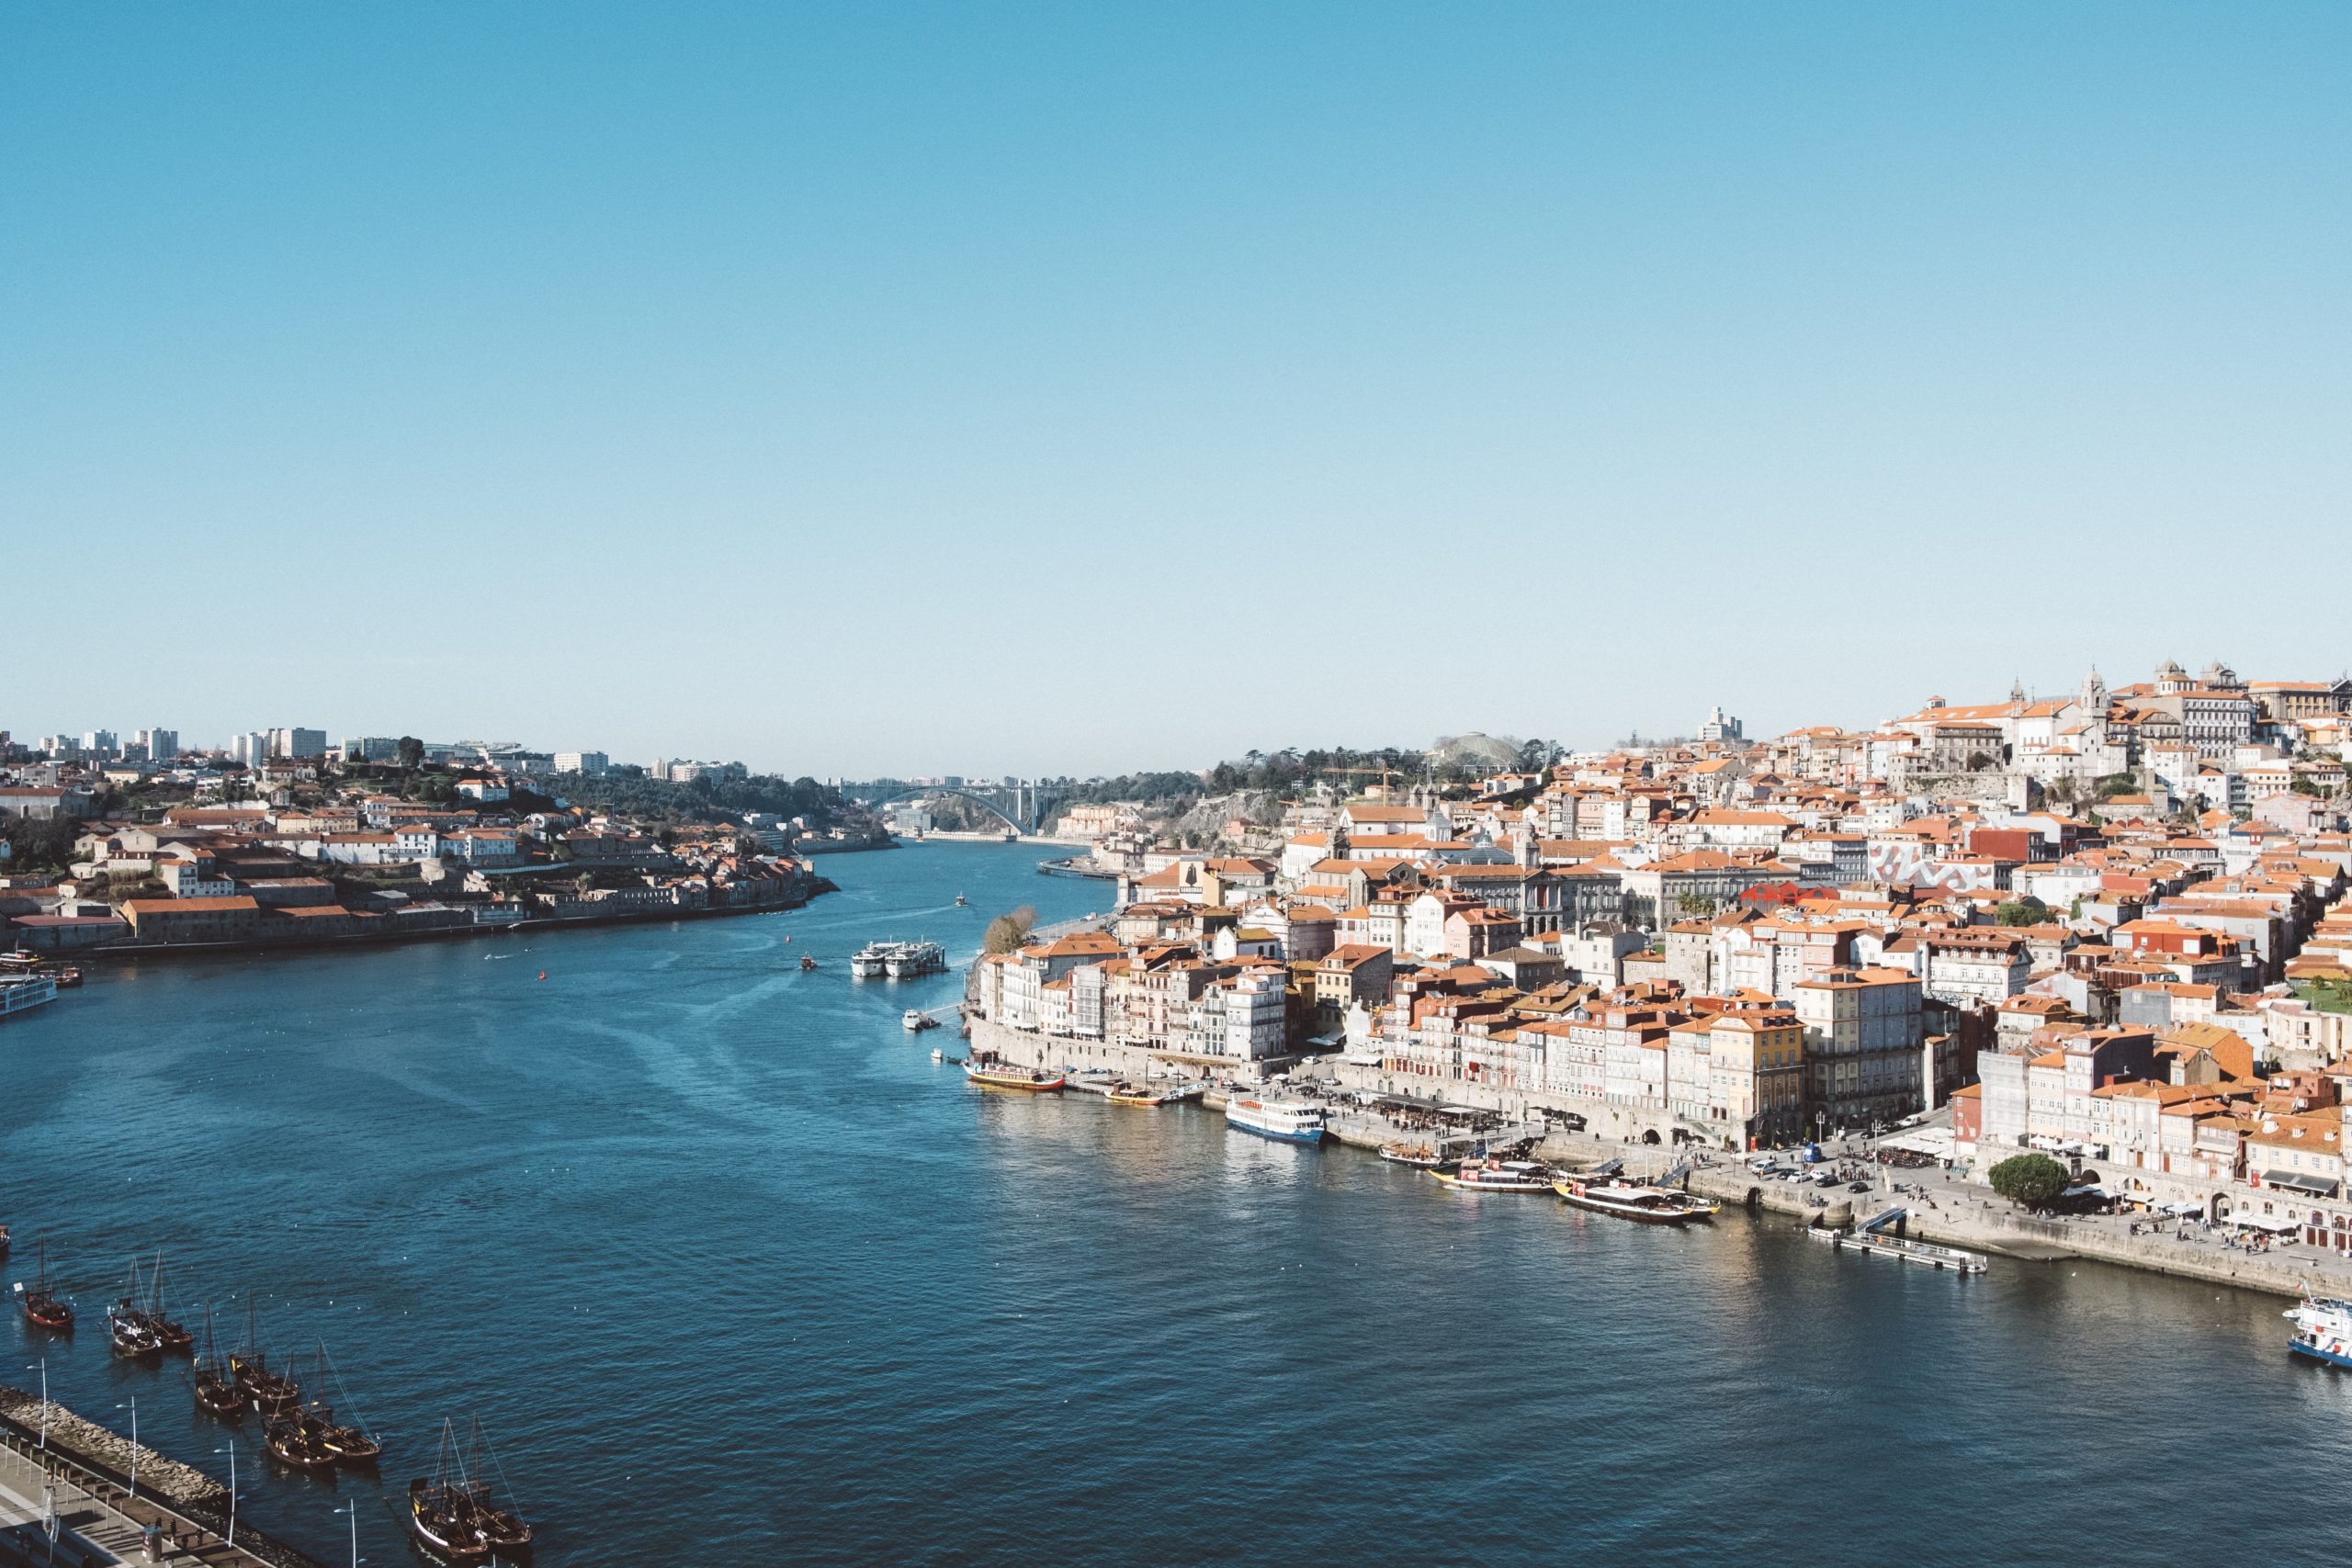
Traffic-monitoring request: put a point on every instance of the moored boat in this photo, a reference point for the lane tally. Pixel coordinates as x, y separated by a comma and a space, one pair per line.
441, 1508
997, 1073
130, 1336
503, 1530
266, 1392
1421, 1156
144, 1307
917, 1021
1284, 1120
44, 1309
912, 959
2323, 1330
216, 1386
349, 1442
1136, 1094
297, 1440
1637, 1201
1496, 1175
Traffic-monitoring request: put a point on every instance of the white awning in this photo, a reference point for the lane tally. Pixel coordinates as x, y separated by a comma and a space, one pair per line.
2264, 1223
2181, 1207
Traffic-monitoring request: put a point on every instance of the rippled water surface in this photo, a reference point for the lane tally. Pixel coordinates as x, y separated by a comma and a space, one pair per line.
733, 1271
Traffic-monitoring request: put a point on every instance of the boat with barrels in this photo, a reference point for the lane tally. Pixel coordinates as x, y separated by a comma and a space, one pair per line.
989, 1071
349, 1441
1492, 1175
1637, 1201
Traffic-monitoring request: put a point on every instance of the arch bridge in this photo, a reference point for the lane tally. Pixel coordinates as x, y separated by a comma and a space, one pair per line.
1022, 807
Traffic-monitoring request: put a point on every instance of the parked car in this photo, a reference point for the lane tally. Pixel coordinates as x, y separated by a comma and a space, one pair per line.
1858, 1187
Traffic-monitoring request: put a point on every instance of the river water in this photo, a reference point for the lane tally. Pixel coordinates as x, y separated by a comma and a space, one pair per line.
733, 1271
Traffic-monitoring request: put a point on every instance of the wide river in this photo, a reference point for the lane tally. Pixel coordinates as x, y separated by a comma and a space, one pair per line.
734, 1272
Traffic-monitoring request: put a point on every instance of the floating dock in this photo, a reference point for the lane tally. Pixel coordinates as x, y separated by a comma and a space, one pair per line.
1872, 1239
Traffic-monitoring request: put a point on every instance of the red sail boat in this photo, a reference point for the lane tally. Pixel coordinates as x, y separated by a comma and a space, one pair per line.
43, 1309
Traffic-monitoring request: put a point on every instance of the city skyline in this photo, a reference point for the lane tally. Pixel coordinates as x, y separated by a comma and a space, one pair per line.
1698, 726
849, 394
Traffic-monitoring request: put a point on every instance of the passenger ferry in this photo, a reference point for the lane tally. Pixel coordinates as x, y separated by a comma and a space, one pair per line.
1635, 1201
914, 958
2323, 1330
19, 992
1284, 1120
1497, 1176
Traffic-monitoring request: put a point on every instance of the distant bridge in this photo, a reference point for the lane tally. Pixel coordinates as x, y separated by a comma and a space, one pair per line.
1022, 807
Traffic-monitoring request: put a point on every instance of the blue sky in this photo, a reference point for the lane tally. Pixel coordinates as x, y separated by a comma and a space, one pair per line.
860, 388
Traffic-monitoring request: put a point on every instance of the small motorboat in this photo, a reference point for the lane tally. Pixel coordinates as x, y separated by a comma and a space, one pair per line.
961, 902
937, 1055
807, 964
3, 1241
917, 1021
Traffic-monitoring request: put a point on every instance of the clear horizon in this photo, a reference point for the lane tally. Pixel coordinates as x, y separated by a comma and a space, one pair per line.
1040, 389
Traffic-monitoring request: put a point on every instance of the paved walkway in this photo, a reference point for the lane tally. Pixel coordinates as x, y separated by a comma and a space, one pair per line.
99, 1521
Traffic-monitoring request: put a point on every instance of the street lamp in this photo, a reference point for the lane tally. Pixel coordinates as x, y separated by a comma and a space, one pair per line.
44, 1401
352, 1508
134, 1447
231, 1451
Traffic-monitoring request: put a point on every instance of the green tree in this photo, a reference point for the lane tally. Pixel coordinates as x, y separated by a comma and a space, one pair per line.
2021, 912
408, 752
2117, 784
2030, 1180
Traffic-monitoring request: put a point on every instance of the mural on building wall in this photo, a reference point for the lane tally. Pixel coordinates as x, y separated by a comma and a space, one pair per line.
1917, 865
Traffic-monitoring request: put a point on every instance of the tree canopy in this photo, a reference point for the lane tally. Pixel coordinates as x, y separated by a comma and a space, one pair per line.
2031, 1180
1009, 931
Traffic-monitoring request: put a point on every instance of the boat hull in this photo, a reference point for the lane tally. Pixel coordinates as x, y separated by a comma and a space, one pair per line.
1458, 1184
1279, 1135
1017, 1085
2319, 1353
1633, 1211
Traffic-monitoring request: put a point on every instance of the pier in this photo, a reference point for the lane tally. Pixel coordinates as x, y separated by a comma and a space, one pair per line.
1874, 1238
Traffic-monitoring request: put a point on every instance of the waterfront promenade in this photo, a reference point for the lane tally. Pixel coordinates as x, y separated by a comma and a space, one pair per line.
75, 1513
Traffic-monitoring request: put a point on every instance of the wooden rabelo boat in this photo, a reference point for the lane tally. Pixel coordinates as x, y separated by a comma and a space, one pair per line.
216, 1387
44, 1309
266, 1392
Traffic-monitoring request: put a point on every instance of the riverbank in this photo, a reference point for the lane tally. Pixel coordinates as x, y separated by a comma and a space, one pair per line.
816, 887
1955, 1212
